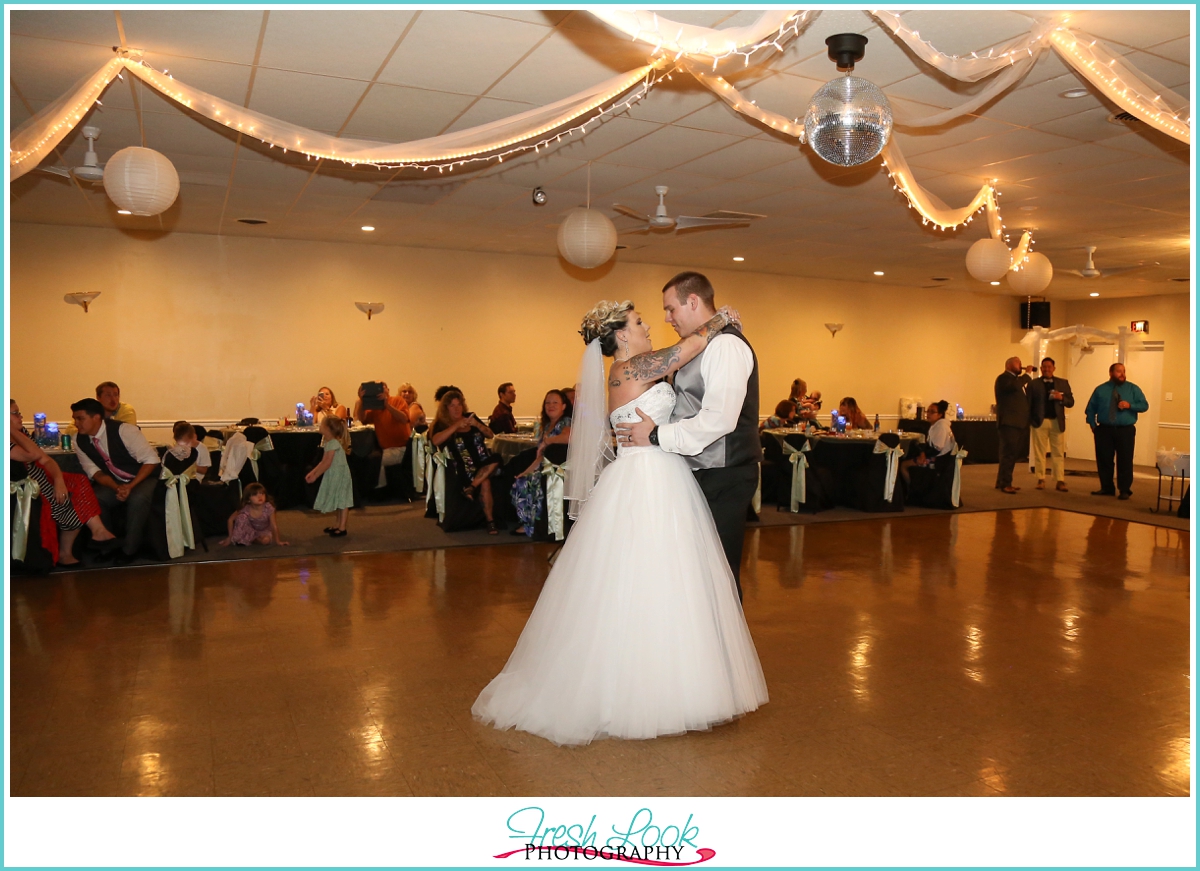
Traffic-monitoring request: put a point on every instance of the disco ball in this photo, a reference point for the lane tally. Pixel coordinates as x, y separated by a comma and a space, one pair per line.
848, 121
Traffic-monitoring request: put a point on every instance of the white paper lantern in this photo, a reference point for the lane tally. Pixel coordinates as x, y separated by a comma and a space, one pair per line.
989, 259
586, 238
1033, 276
141, 180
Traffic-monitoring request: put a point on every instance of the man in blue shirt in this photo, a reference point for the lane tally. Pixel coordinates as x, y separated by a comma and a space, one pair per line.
1112, 414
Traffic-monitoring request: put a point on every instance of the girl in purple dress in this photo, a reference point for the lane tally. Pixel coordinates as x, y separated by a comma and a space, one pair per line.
254, 521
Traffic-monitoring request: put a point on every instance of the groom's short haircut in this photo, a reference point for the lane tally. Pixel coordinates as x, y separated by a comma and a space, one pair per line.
692, 284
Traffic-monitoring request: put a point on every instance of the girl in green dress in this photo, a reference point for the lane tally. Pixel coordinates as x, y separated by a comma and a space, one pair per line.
337, 488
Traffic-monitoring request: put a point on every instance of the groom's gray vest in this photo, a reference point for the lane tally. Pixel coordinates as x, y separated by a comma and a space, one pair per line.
740, 447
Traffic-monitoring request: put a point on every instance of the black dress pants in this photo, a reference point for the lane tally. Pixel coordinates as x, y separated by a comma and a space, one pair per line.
1014, 444
1116, 440
136, 509
729, 493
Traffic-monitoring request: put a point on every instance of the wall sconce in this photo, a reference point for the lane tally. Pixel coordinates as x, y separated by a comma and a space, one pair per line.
833, 329
83, 299
371, 308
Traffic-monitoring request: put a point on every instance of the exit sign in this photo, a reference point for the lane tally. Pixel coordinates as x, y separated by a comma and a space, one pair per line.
1139, 327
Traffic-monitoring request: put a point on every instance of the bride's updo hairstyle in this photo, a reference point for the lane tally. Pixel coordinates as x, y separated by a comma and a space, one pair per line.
602, 323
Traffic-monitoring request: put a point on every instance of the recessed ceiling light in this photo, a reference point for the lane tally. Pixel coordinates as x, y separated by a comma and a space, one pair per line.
877, 272
367, 228
995, 284
738, 259
1093, 293
1074, 93
124, 212
254, 222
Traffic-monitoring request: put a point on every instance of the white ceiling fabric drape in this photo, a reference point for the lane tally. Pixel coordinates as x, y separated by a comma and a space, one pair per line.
691, 40
674, 44
1128, 87
39, 135
34, 139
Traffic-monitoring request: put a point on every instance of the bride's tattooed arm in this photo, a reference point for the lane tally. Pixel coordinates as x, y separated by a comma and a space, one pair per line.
654, 365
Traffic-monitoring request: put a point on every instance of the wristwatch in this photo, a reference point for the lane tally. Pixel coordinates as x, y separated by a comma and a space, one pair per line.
654, 436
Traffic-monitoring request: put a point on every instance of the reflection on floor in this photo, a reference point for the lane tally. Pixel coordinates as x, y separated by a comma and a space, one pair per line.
1027, 652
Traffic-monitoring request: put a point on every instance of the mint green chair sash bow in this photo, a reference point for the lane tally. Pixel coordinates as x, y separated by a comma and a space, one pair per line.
260, 447
799, 464
894, 455
959, 456
440, 459
555, 477
420, 459
25, 491
179, 513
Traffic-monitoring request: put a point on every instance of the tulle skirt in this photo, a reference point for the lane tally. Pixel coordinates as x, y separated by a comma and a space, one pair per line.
638, 631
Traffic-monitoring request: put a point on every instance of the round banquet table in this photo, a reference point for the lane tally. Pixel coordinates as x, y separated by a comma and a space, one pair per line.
508, 445
848, 470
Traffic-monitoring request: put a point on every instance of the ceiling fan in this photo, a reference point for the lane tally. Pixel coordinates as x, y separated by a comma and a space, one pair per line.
660, 220
1090, 270
91, 170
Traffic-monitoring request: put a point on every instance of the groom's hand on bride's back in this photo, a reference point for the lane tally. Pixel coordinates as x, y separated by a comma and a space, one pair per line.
636, 433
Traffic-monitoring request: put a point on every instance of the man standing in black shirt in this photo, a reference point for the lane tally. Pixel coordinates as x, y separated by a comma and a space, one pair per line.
1012, 420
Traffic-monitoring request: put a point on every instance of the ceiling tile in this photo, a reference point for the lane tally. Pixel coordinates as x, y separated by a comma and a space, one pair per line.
344, 43
567, 63
320, 102
741, 158
394, 114
492, 44
212, 34
1126, 27
669, 147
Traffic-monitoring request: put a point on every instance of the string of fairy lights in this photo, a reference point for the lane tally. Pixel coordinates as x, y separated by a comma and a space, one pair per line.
1085, 56
787, 30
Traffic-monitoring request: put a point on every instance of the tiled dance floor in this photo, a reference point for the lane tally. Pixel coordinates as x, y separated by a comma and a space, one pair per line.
1024, 652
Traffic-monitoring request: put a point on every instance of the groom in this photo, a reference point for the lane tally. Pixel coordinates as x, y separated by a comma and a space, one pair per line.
715, 421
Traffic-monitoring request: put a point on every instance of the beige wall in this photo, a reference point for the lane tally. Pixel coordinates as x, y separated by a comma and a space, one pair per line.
213, 328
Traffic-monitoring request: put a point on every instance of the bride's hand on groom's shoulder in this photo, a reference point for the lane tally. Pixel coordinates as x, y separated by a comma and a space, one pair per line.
731, 315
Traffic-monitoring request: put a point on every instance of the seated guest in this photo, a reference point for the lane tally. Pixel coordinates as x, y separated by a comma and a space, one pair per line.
471, 465
443, 390
122, 466
554, 428
392, 429
109, 395
807, 404
254, 522
855, 419
784, 416
569, 392
188, 450
324, 404
416, 414
67, 497
502, 419
939, 442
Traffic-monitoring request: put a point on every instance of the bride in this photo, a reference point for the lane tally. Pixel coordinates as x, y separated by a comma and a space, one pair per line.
638, 631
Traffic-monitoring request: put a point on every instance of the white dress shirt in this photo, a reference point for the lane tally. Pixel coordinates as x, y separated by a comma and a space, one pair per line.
133, 440
941, 437
725, 368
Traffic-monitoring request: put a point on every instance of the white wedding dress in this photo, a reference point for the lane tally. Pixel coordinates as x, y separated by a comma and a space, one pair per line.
638, 631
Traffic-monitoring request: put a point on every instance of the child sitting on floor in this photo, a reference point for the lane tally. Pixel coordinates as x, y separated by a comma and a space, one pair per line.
254, 521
